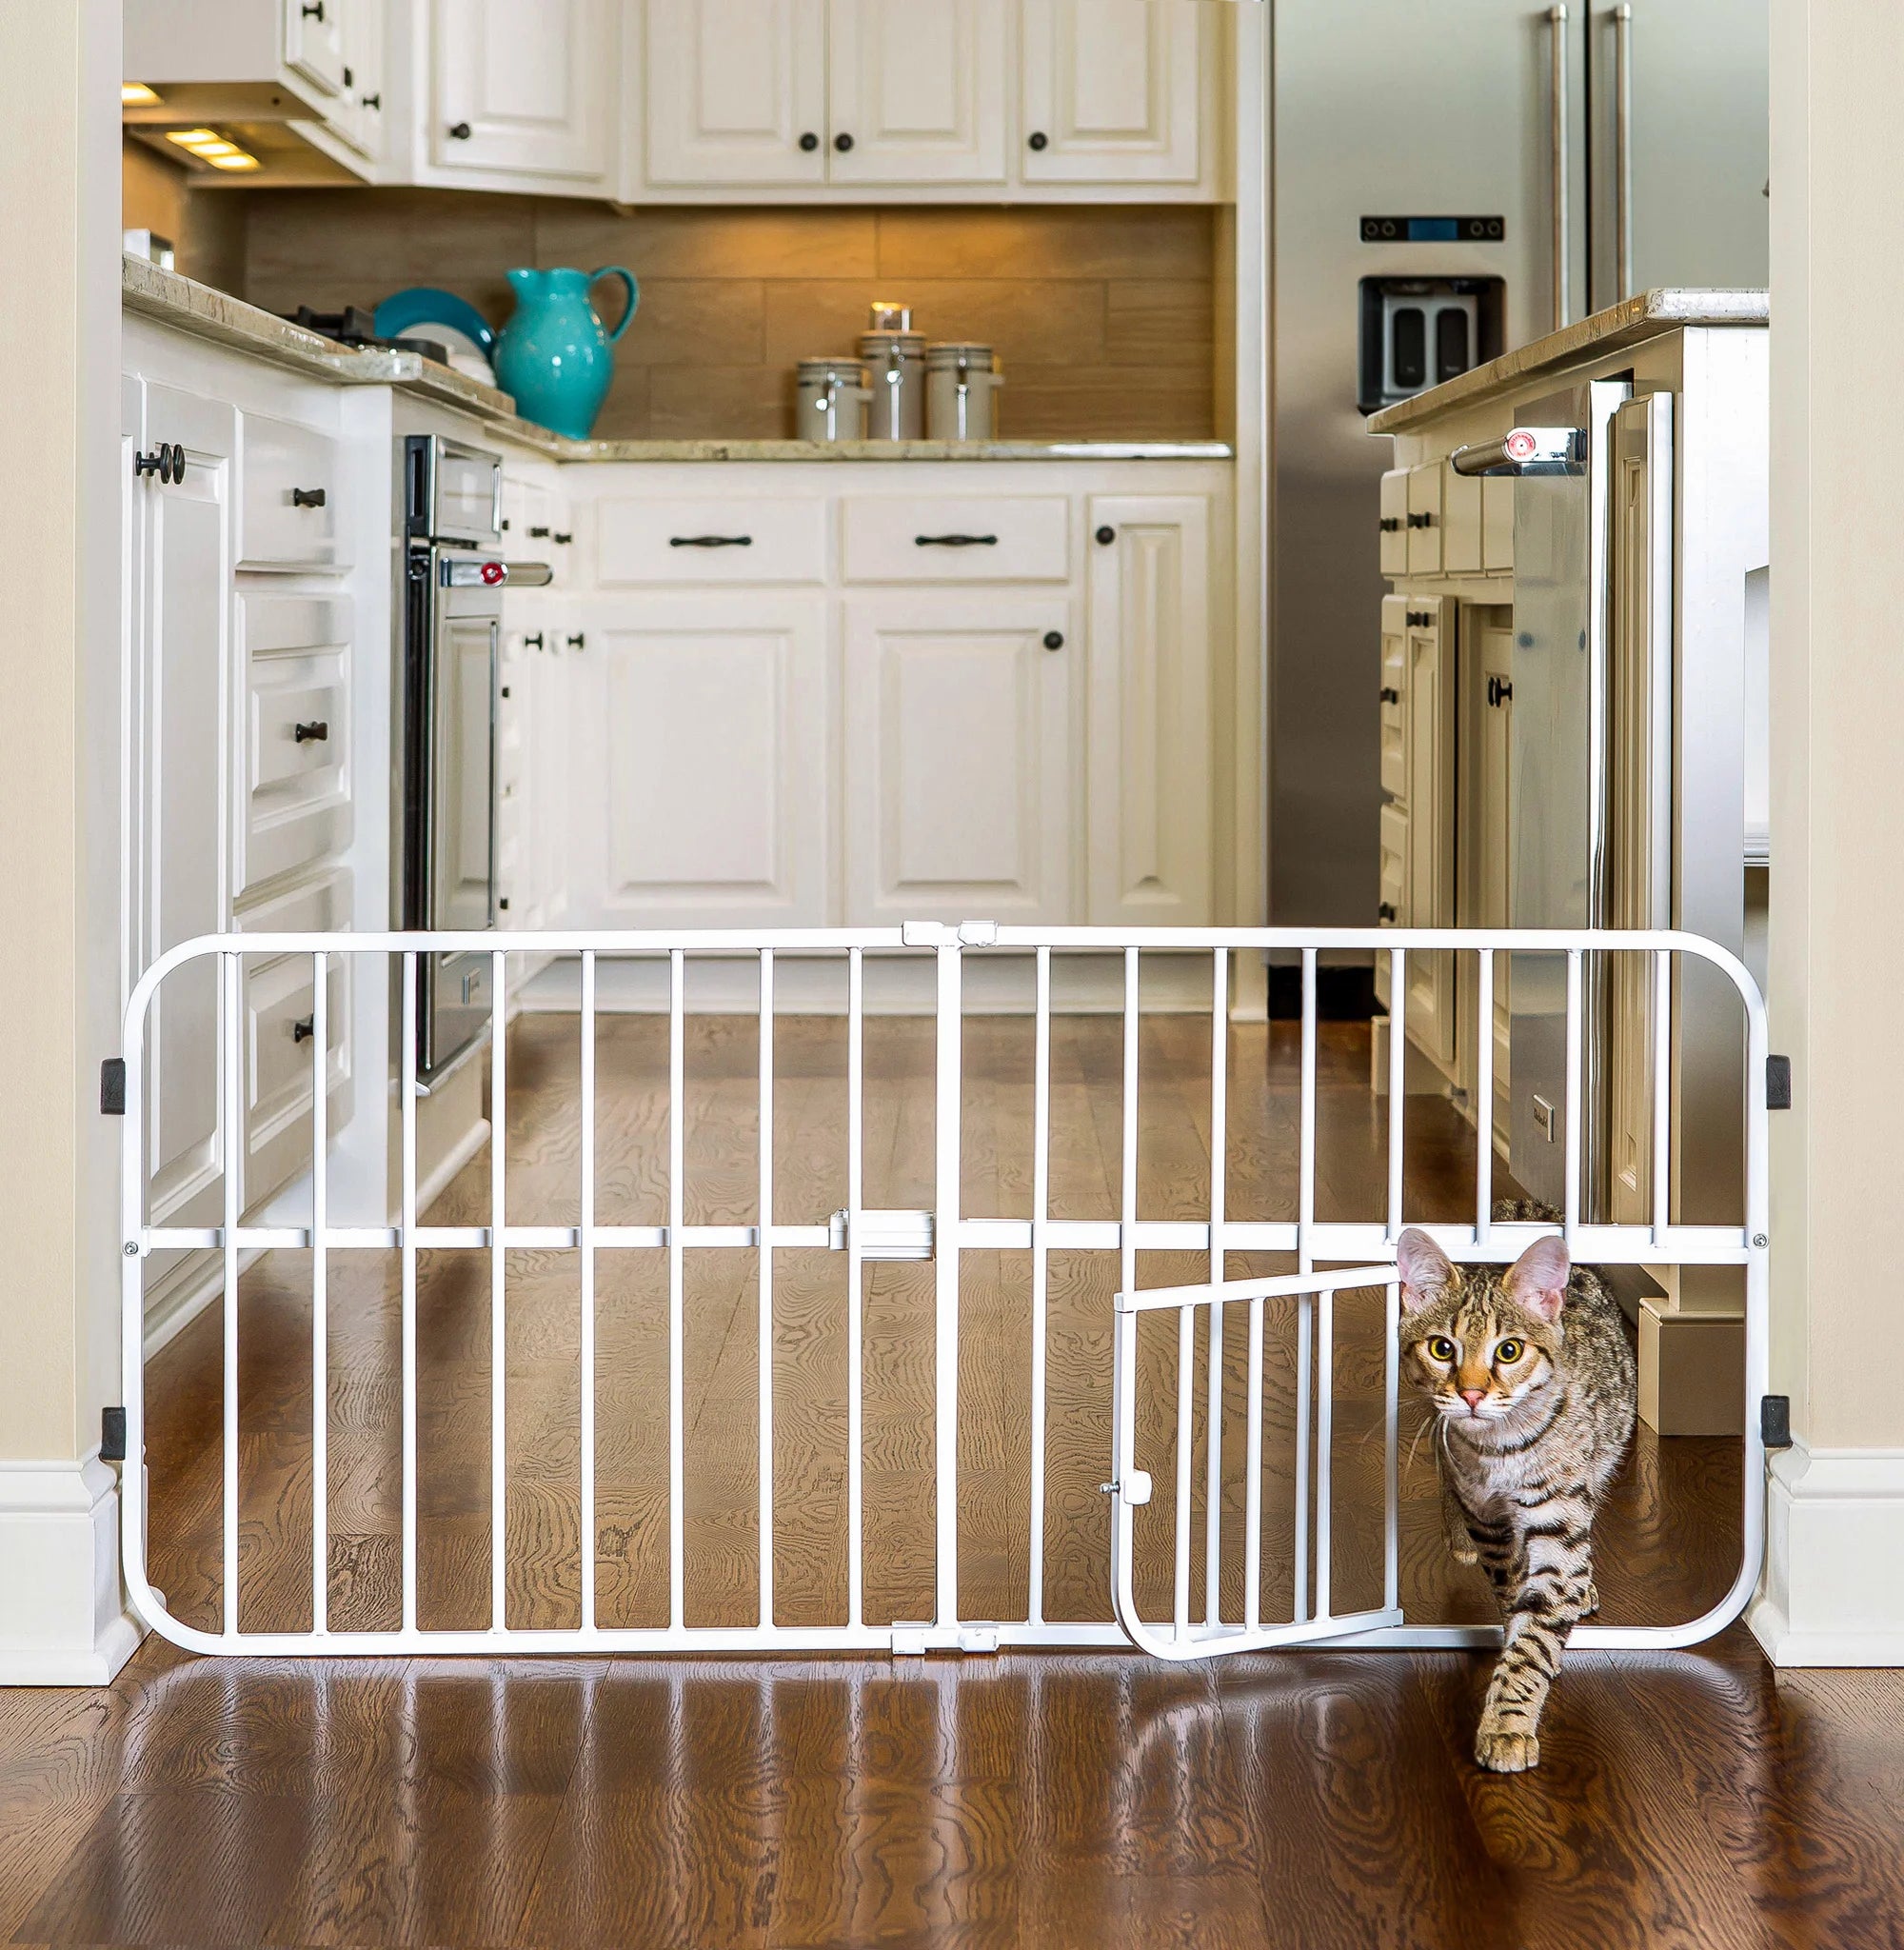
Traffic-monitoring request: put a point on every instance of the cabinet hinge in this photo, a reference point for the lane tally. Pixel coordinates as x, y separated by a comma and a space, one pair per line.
1778, 1083
113, 1435
112, 1086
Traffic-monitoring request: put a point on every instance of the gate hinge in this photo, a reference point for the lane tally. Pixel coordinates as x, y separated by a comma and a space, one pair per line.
1778, 1083
113, 1435
915, 1641
1775, 1421
1134, 1490
885, 1235
112, 1086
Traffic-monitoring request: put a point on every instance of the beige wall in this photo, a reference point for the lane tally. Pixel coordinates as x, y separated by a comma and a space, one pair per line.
1105, 317
1837, 717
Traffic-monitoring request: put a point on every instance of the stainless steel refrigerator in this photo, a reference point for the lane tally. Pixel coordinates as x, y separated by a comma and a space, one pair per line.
1530, 162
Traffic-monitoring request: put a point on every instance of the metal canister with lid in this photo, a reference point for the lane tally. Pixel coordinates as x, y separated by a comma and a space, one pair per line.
831, 398
896, 372
961, 384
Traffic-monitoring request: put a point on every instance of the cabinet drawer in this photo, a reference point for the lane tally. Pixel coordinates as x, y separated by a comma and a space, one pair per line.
1498, 521
296, 744
1460, 522
952, 539
1393, 697
288, 505
1425, 519
1395, 522
1394, 867
710, 542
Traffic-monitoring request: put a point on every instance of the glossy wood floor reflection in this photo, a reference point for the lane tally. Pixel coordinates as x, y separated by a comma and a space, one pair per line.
1669, 1539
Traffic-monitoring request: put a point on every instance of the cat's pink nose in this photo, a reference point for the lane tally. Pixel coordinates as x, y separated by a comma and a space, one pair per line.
1472, 1397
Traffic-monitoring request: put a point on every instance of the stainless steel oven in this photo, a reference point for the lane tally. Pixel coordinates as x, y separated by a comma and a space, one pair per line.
452, 619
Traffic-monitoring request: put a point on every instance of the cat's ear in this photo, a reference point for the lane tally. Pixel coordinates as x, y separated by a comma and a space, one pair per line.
1537, 1282
1424, 1267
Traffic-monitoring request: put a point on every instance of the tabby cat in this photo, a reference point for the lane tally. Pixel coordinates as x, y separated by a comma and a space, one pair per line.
1530, 1374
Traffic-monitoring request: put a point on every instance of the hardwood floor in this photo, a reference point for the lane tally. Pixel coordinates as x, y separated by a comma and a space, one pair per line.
1312, 1798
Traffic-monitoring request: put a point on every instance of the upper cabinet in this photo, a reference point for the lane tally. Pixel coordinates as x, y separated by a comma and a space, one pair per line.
521, 92
916, 91
736, 92
1112, 92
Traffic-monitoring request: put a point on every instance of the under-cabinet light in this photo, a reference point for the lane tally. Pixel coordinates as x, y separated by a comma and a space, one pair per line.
136, 94
239, 161
190, 138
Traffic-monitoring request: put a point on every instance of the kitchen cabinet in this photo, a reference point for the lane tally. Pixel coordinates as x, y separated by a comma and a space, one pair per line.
1111, 92
1149, 712
521, 92
701, 757
959, 776
1490, 632
315, 31
736, 92
916, 91
359, 117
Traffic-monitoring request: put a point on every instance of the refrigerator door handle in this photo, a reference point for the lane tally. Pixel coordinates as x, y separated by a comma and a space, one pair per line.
1525, 450
1623, 143
1558, 185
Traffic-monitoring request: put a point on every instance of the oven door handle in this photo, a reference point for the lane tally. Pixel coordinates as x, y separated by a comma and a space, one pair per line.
486, 573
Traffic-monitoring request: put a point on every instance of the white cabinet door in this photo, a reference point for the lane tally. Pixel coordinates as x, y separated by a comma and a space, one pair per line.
959, 796
917, 90
736, 92
1112, 92
315, 40
1430, 710
182, 732
1494, 643
706, 762
550, 679
518, 800
359, 117
1148, 765
522, 86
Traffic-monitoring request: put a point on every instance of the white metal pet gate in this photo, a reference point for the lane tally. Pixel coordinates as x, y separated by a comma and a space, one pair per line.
1362, 1255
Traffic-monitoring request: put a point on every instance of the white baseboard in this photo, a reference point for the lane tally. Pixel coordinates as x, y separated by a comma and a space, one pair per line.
1834, 1587
63, 1621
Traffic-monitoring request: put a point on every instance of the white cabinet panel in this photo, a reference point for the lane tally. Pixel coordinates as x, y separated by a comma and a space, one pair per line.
712, 759
1148, 769
1425, 519
522, 86
359, 117
287, 512
1112, 92
1394, 761
314, 35
1494, 648
553, 679
960, 801
744, 540
466, 704
978, 538
187, 546
917, 90
1431, 1013
1395, 522
1460, 522
1497, 521
736, 92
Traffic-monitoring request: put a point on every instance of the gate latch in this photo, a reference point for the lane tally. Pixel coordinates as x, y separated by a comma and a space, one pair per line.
885, 1235
1133, 1492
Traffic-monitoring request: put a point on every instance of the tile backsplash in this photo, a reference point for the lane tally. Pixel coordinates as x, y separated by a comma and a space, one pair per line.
1103, 316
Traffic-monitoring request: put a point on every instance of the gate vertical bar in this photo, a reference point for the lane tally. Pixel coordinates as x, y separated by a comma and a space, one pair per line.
320, 1322
234, 1162
764, 1290
1662, 1092
1571, 1208
947, 1112
856, 1299
1040, 1213
1213, 1491
1398, 1144
1484, 1099
498, 1149
1128, 1225
407, 1084
677, 1066
1398, 1084
1186, 1354
1324, 1303
587, 1243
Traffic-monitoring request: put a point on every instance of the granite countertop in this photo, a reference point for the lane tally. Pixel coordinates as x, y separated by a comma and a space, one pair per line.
1644, 317
223, 320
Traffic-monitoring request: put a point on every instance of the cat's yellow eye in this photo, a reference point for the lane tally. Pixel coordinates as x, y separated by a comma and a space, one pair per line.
1441, 1349
1508, 1353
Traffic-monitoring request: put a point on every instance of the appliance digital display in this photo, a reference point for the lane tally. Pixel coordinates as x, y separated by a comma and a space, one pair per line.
1432, 230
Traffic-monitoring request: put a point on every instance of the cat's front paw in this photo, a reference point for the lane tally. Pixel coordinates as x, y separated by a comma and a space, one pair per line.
1501, 1752
1465, 1553
1591, 1603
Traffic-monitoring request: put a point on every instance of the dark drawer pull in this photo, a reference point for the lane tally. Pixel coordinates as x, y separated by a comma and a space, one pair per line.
578, 642
375, 101
955, 541
711, 541
1421, 521
1391, 525
1390, 696
1499, 691
562, 535
304, 1029
1386, 912
530, 643
315, 732
307, 497
313, 12
1421, 619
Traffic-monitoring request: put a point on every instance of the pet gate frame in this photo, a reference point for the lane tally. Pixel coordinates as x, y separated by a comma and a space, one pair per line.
943, 1235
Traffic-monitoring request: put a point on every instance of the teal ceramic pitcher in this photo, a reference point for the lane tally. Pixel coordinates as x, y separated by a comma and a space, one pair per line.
554, 354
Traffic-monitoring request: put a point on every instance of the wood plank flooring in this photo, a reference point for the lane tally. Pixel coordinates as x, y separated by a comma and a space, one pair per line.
1314, 1799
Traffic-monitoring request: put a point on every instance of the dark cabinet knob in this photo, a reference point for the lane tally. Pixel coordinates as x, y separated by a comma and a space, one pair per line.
1498, 691
810, 141
312, 10
540, 533
1386, 912
307, 497
1421, 521
578, 642
505, 690
842, 142
316, 732
1106, 535
1391, 525
1038, 140
459, 130
530, 643
1054, 639
166, 462
304, 1029
504, 904
375, 101
562, 536
1390, 696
